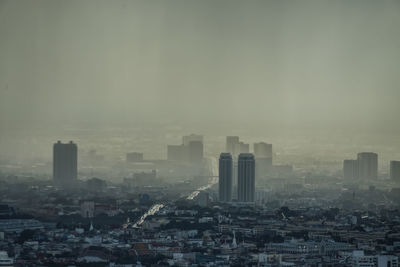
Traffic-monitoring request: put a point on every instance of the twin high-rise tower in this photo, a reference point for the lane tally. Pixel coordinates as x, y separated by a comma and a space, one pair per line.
225, 177
245, 176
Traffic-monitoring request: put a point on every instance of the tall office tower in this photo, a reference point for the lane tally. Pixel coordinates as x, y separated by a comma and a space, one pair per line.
225, 177
395, 170
246, 177
263, 155
65, 162
190, 138
195, 149
350, 169
367, 165
231, 141
262, 150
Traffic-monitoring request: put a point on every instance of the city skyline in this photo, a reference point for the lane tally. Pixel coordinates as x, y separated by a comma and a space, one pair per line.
199, 133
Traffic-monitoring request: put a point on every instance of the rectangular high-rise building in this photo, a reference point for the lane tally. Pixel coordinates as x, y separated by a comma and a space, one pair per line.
367, 165
231, 141
263, 155
176, 152
246, 177
196, 151
240, 148
395, 170
191, 138
225, 177
262, 150
65, 162
350, 169
263, 167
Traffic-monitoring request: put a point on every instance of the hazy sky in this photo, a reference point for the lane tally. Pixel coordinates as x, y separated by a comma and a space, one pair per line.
328, 63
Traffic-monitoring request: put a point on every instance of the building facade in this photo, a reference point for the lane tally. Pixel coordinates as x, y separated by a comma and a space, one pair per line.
225, 177
395, 170
350, 169
65, 162
367, 165
246, 178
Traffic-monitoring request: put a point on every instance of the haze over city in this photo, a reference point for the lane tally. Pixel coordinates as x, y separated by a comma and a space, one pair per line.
199, 133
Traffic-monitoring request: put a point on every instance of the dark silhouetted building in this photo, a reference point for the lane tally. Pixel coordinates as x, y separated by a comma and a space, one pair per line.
225, 177
65, 162
367, 165
246, 178
134, 157
350, 169
395, 170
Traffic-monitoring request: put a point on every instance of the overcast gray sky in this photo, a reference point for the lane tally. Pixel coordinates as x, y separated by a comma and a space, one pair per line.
329, 63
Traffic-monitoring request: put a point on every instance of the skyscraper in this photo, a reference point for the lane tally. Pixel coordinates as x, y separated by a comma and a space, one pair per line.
225, 177
246, 177
367, 165
262, 150
65, 162
231, 141
395, 170
191, 138
191, 150
263, 155
241, 148
350, 169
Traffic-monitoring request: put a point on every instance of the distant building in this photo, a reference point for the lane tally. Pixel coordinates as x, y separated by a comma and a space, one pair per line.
361, 260
191, 150
96, 184
282, 169
263, 167
262, 150
241, 148
231, 141
263, 155
203, 199
191, 138
65, 162
395, 170
134, 157
19, 225
195, 149
246, 178
350, 169
367, 165
141, 179
87, 209
225, 177
176, 152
